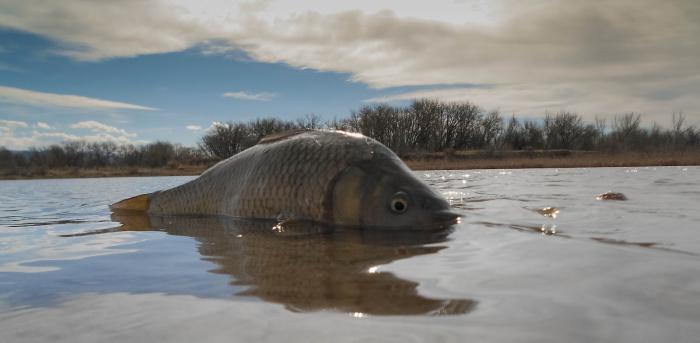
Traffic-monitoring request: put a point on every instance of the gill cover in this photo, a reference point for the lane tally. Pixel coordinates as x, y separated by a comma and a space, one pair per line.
347, 197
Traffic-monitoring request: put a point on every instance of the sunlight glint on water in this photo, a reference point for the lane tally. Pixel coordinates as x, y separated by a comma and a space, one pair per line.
535, 258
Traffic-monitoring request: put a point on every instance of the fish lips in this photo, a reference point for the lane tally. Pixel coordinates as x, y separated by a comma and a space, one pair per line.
445, 218
437, 220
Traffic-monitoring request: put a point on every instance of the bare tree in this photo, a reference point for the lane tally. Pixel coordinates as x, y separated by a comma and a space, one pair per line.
309, 121
491, 129
7, 160
468, 120
157, 154
226, 140
563, 130
626, 129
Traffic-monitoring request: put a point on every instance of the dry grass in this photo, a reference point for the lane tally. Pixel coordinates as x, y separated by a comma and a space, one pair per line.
548, 159
61, 173
425, 161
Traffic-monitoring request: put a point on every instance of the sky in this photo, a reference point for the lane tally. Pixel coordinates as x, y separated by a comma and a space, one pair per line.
137, 71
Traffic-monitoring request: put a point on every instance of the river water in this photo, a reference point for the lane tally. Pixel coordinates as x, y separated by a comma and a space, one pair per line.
536, 258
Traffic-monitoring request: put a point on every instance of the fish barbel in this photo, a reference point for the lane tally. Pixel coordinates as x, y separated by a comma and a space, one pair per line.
330, 177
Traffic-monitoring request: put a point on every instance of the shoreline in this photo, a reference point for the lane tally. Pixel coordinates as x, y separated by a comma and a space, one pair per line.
524, 159
521, 159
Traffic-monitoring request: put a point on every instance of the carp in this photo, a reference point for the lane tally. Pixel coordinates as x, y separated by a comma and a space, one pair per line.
323, 176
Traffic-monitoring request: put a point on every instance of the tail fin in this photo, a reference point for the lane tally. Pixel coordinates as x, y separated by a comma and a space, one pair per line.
138, 203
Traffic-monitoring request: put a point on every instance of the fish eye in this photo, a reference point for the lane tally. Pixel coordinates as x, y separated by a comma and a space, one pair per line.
399, 202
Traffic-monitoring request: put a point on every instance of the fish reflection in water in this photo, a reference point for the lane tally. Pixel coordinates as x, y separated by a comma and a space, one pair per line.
306, 268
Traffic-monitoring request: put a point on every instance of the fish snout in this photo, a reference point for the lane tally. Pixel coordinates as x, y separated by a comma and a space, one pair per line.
433, 204
446, 216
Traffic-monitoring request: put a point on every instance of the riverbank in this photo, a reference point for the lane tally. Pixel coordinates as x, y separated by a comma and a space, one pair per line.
548, 159
416, 161
66, 173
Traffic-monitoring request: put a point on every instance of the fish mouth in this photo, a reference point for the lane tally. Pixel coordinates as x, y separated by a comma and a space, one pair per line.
446, 217
433, 221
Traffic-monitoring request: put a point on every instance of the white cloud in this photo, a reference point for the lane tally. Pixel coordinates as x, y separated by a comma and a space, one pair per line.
534, 101
15, 141
508, 99
13, 137
96, 126
28, 97
617, 51
12, 123
42, 125
215, 124
564, 41
193, 127
95, 30
243, 95
103, 137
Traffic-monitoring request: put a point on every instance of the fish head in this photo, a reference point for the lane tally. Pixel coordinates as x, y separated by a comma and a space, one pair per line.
384, 194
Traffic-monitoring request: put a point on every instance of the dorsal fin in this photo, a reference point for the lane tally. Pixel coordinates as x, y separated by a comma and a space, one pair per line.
278, 136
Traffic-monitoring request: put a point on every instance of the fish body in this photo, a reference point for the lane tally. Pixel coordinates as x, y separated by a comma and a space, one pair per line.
328, 177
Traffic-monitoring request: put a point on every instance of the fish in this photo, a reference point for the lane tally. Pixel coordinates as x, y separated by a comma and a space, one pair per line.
323, 176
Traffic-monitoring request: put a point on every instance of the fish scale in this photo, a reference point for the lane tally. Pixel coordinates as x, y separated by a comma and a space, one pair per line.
298, 185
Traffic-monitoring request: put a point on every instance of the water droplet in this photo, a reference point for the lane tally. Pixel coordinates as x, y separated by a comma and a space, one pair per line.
548, 230
550, 212
358, 315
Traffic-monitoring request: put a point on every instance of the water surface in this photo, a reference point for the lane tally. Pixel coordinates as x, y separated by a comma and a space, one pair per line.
536, 258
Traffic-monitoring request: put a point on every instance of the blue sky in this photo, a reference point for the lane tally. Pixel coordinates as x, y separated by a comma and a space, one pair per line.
186, 88
136, 71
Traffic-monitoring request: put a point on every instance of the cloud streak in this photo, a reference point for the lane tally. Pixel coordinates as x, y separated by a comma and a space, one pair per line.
16, 135
536, 100
12, 123
33, 98
17, 141
43, 126
243, 95
96, 126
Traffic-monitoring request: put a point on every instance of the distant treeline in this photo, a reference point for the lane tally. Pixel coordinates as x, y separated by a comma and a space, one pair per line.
81, 154
423, 126
429, 126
